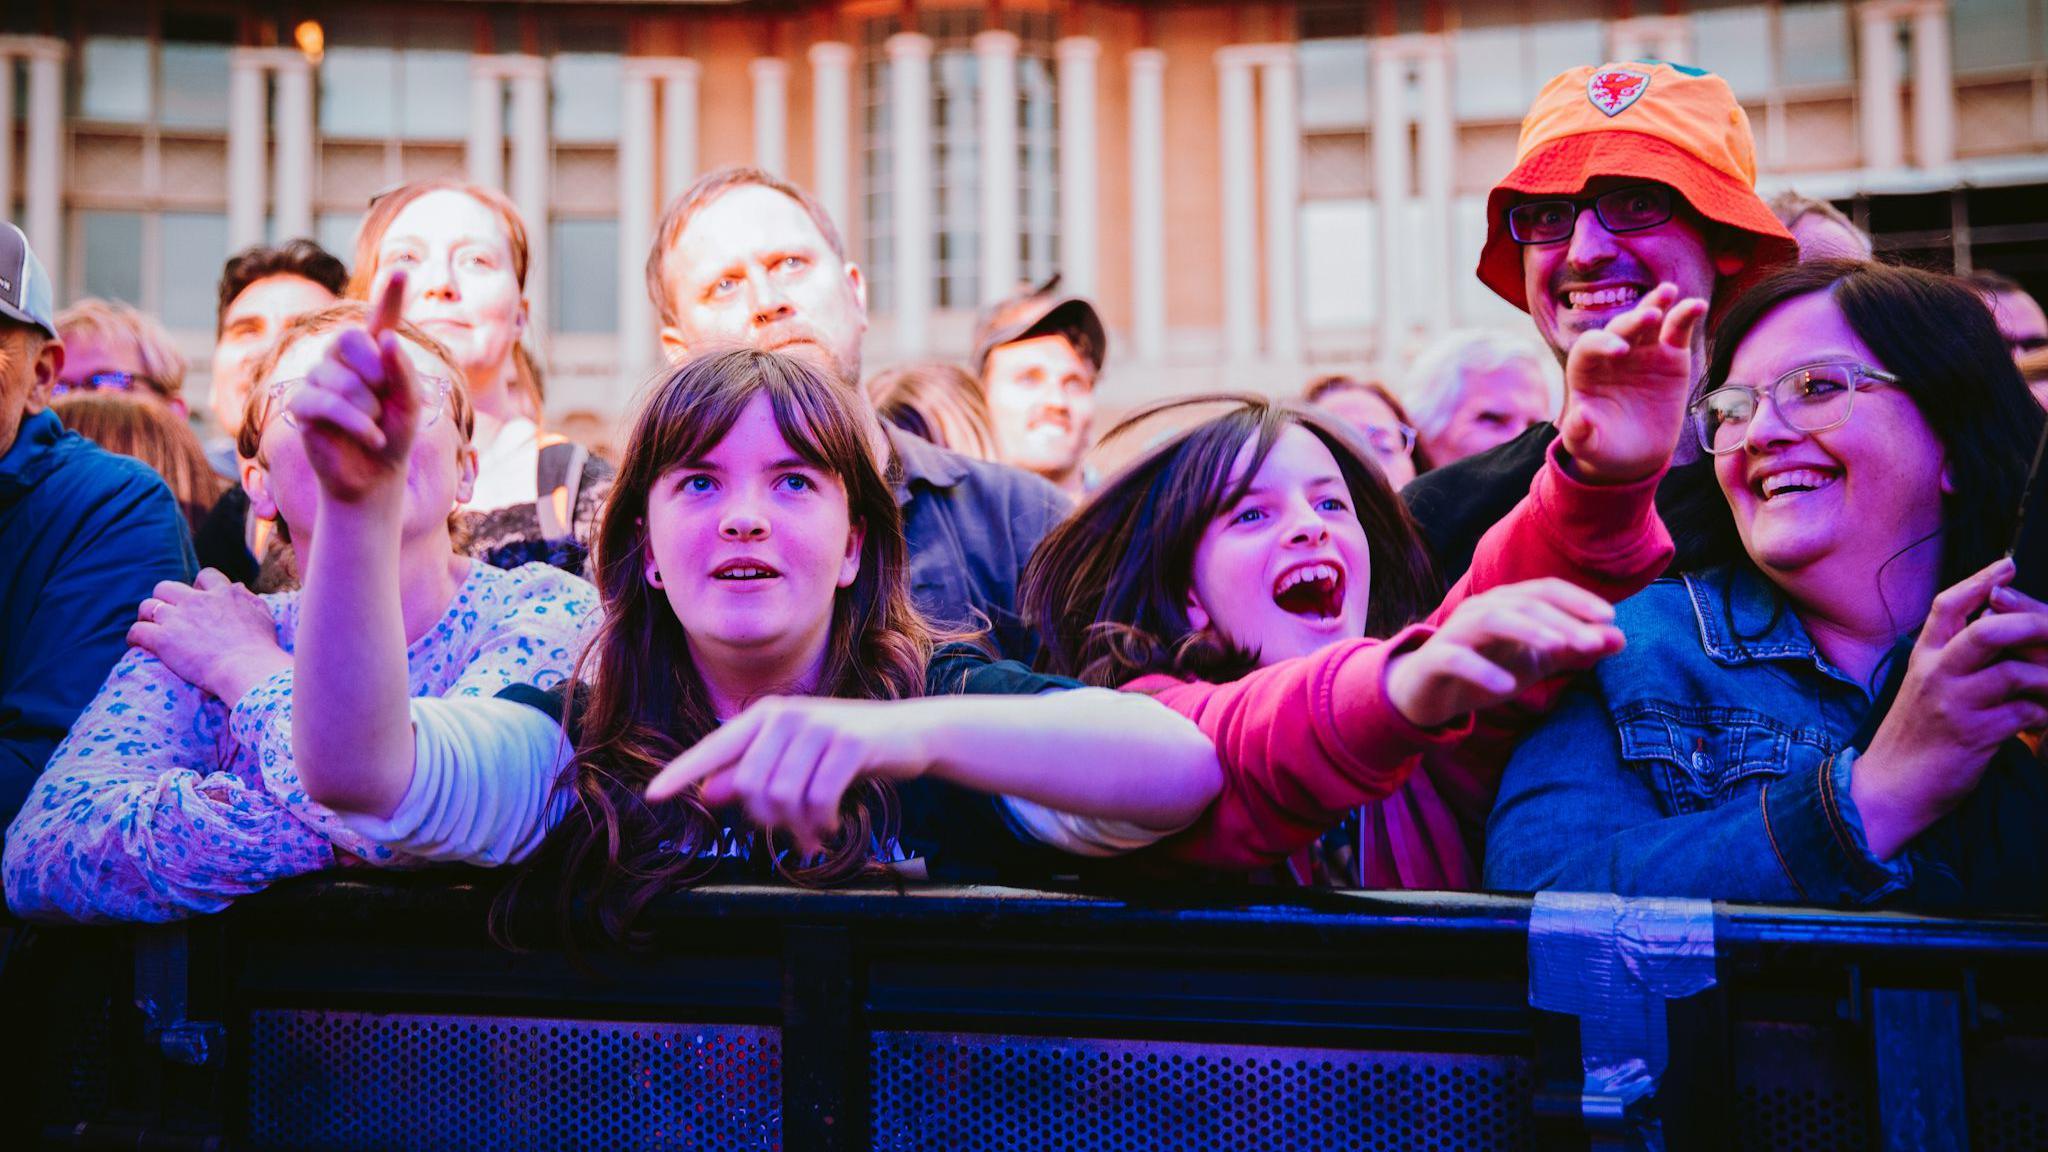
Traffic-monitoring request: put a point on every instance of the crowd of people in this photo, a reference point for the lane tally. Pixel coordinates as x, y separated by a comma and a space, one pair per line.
1700, 589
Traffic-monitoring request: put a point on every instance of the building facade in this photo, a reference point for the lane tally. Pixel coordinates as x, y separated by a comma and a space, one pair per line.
1254, 192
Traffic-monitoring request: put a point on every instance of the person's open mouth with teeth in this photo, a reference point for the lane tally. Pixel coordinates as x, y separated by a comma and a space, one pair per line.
1312, 590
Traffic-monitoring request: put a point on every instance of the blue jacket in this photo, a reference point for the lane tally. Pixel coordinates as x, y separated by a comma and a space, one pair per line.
84, 536
1712, 758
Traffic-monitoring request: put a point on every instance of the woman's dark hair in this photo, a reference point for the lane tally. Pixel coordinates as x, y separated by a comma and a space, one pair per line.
1107, 589
302, 258
1934, 333
637, 700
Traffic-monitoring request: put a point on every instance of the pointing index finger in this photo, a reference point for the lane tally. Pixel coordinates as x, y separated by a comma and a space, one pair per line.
384, 314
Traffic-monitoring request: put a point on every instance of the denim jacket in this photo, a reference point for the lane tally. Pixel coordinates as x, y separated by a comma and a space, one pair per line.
1712, 758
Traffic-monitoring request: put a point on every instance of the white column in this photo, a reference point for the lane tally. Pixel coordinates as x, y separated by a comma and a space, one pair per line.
530, 164
7, 65
1078, 212
484, 156
831, 125
637, 195
771, 114
1390, 191
679, 127
293, 189
996, 60
1878, 96
1436, 159
910, 146
1934, 94
43, 207
248, 87
1280, 104
1148, 203
1240, 241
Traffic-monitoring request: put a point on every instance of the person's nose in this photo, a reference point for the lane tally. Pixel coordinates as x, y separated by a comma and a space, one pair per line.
1768, 427
1591, 245
1305, 526
771, 303
433, 280
743, 521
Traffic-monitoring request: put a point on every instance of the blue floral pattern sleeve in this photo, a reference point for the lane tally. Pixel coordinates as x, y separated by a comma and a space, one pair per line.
163, 803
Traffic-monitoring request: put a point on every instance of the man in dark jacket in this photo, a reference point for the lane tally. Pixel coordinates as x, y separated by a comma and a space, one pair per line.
1626, 176
745, 257
84, 536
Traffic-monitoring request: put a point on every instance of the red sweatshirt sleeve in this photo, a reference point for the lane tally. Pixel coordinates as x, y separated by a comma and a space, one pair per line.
1304, 741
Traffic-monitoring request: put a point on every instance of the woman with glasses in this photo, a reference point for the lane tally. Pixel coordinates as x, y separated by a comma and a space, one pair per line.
176, 791
1824, 707
1381, 422
110, 347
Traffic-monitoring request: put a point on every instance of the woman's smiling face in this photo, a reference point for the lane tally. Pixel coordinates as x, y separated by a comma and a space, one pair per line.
1286, 569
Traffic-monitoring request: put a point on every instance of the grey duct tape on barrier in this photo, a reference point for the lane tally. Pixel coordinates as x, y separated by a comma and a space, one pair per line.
1613, 962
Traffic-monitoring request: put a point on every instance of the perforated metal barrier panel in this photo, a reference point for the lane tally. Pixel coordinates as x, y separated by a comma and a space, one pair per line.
1798, 1087
979, 1093
349, 1080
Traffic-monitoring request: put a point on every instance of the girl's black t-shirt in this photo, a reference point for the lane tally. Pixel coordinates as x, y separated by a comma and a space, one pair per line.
961, 836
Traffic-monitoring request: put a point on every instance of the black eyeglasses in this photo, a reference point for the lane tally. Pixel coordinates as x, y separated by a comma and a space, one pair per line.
108, 381
1630, 209
2022, 345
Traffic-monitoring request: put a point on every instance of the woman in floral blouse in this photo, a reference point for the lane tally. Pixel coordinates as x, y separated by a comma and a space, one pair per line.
176, 791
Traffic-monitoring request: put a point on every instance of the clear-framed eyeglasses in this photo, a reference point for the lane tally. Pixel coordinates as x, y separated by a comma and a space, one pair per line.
111, 380
1814, 398
1389, 440
434, 392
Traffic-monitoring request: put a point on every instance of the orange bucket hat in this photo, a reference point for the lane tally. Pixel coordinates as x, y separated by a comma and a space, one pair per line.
1644, 120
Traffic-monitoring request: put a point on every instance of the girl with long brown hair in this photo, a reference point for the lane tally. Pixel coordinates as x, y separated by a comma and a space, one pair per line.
761, 668
1257, 573
131, 426
464, 249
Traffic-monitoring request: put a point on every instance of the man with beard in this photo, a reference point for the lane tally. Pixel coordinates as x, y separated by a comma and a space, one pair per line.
1627, 176
1038, 354
743, 257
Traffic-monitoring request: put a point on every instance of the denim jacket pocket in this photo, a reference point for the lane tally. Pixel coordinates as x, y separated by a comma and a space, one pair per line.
1699, 757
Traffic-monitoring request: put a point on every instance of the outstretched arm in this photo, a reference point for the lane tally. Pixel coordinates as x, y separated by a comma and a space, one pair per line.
1088, 752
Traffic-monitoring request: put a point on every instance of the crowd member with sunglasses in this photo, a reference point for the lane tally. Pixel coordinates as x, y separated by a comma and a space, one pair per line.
1627, 175
1824, 708
177, 790
111, 347
1380, 420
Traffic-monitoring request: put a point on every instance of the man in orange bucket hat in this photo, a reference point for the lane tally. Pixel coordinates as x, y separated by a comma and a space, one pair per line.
1627, 176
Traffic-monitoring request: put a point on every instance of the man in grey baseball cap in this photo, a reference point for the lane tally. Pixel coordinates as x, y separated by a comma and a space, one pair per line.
85, 535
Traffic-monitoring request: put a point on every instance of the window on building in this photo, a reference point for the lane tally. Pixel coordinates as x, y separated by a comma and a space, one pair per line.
193, 245
114, 79
1496, 70
956, 155
359, 93
192, 86
1735, 43
1990, 36
108, 245
1338, 239
585, 289
1814, 44
587, 98
336, 232
1335, 86
390, 77
434, 93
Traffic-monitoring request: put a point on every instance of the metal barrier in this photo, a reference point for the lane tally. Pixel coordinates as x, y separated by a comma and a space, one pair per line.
376, 1013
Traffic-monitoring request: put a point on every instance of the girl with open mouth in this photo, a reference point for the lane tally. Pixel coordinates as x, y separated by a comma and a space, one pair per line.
1257, 574
761, 694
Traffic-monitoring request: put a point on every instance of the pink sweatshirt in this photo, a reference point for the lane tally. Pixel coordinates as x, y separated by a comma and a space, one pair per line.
1307, 740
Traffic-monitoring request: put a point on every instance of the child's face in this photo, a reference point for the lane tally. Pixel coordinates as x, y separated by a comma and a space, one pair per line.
1285, 570
750, 544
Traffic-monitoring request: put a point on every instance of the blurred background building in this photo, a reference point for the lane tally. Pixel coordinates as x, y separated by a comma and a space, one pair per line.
1253, 192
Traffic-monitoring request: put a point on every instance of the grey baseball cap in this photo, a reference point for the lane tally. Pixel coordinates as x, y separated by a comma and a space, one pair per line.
25, 293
